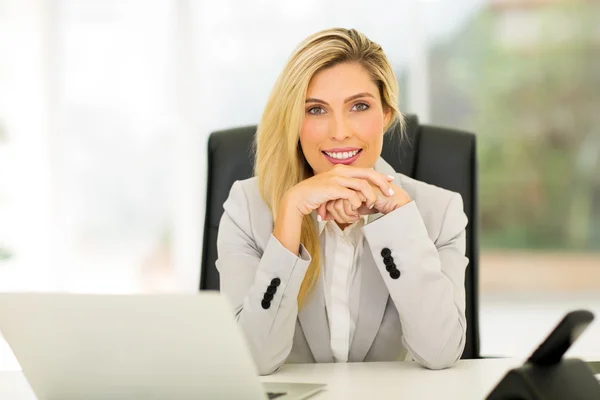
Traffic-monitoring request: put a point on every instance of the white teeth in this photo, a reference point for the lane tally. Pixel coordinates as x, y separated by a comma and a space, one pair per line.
342, 155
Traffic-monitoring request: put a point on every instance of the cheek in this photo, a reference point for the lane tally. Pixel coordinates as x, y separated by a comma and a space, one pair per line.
369, 126
314, 132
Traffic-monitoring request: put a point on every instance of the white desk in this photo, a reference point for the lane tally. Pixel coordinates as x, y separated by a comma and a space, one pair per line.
469, 379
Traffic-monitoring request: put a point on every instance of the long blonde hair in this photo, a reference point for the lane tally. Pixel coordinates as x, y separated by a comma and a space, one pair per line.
280, 163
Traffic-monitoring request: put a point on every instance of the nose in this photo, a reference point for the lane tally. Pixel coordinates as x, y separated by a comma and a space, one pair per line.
340, 130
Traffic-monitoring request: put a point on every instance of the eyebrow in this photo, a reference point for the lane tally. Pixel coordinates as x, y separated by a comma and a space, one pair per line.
347, 100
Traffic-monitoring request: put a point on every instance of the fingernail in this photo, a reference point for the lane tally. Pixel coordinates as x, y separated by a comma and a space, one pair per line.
371, 206
391, 192
391, 177
319, 218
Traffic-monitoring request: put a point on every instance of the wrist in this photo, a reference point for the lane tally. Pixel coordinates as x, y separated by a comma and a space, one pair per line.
289, 205
401, 197
288, 225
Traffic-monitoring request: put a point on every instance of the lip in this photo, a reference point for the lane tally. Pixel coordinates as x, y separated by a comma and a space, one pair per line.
341, 149
347, 161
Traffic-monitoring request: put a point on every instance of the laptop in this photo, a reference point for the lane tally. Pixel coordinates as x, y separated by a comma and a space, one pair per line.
146, 346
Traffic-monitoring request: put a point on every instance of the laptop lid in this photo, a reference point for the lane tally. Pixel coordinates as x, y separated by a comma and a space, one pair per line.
149, 346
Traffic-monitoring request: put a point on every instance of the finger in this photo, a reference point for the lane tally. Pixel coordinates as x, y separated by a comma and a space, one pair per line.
341, 210
365, 210
338, 205
356, 200
377, 178
352, 196
327, 215
370, 192
349, 209
337, 191
359, 185
385, 205
333, 212
322, 211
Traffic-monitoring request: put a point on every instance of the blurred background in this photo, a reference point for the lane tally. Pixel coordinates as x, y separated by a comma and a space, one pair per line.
106, 106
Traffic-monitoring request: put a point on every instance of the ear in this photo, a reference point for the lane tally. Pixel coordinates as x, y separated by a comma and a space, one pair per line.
387, 116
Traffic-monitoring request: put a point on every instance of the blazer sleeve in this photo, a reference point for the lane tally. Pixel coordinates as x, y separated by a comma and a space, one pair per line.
261, 285
425, 279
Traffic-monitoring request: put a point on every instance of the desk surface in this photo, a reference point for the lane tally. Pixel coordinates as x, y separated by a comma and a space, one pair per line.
469, 379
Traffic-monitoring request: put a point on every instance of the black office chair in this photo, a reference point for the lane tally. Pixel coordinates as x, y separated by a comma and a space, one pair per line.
439, 156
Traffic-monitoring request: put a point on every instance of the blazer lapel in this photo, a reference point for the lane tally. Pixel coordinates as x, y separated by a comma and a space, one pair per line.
313, 319
315, 325
373, 301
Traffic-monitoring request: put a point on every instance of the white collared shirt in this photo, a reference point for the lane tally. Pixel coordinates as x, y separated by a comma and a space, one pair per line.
342, 252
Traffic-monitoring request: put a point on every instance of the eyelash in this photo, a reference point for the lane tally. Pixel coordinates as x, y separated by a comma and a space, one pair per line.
363, 104
366, 107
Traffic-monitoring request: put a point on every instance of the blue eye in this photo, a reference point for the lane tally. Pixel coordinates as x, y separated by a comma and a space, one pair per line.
360, 107
316, 110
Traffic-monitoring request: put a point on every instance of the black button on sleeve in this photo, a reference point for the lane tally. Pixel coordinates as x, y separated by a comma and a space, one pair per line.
388, 260
268, 297
390, 268
276, 282
385, 252
271, 289
265, 304
395, 274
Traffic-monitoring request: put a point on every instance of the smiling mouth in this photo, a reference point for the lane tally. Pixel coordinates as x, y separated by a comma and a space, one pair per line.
342, 157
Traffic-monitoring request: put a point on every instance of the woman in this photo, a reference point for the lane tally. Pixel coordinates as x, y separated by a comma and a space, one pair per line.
328, 254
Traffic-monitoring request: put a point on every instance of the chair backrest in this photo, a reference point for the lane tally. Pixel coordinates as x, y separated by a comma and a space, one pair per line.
439, 156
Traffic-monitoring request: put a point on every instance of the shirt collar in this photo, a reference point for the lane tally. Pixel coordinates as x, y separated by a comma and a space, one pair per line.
322, 224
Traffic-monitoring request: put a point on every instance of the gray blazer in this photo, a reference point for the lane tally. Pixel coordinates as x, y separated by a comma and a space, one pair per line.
418, 316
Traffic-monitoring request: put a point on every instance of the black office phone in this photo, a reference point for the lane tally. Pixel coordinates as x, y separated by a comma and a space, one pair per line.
561, 338
546, 375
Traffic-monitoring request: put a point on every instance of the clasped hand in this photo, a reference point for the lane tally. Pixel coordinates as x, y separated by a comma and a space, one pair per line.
345, 193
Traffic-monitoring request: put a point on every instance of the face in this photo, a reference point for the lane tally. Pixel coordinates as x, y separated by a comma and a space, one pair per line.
344, 119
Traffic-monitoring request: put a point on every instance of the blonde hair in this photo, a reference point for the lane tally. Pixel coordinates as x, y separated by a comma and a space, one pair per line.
279, 162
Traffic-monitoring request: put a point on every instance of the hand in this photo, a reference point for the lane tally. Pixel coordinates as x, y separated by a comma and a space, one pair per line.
387, 204
342, 211
355, 185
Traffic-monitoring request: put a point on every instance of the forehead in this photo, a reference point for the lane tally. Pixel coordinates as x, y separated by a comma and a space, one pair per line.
336, 83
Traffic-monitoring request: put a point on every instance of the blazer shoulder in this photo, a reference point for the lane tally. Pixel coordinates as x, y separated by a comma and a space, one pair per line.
248, 209
424, 192
244, 191
436, 205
